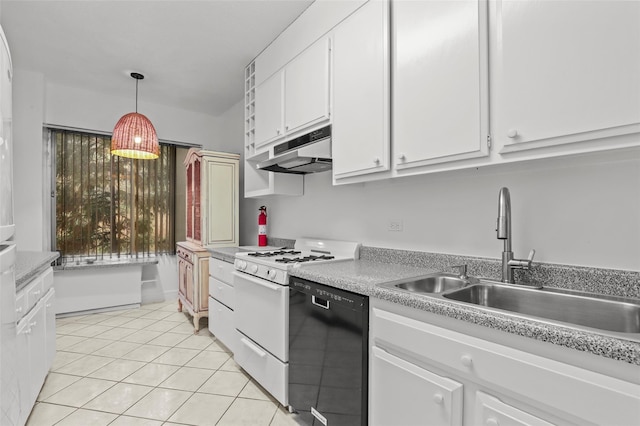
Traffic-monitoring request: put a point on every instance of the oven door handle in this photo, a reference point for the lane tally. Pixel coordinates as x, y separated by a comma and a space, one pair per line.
258, 281
253, 347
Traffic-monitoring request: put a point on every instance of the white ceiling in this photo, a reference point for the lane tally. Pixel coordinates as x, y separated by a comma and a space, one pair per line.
192, 53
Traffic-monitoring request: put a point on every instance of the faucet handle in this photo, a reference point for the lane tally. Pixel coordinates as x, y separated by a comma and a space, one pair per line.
530, 257
521, 263
462, 270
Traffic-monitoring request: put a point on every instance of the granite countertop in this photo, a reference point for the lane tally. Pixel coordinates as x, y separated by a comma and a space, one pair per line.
30, 263
363, 277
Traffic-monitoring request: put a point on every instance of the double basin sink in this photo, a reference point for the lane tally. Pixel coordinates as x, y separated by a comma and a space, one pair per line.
606, 313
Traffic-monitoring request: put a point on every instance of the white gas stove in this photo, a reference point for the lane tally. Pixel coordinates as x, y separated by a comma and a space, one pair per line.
274, 265
261, 282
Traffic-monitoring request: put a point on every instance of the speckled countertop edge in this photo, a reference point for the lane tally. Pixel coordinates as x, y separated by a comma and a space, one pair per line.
30, 263
363, 277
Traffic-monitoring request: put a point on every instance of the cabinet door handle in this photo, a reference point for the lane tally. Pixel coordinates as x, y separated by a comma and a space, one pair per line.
33, 324
286, 127
492, 421
438, 398
19, 309
512, 133
402, 157
27, 331
277, 131
376, 161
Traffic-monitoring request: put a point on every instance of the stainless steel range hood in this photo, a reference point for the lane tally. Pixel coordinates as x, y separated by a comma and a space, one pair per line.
310, 153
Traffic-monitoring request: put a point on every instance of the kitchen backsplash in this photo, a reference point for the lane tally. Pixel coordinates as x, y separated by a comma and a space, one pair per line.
594, 280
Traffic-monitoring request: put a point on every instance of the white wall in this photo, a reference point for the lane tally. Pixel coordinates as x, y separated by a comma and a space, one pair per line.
37, 102
28, 159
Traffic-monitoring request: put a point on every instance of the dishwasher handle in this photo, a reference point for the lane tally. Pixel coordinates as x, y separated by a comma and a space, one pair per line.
324, 304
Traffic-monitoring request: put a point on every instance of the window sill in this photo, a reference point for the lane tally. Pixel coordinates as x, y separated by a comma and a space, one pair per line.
106, 263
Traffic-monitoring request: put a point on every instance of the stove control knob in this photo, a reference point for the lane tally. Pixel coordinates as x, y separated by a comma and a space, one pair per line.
253, 269
241, 265
272, 274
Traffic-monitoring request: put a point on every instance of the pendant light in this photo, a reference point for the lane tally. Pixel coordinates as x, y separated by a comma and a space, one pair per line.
134, 136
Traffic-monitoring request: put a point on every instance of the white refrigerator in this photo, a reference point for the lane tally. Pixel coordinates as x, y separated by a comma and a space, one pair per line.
9, 364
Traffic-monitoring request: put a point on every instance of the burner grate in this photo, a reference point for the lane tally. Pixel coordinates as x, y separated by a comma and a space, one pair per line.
309, 258
273, 253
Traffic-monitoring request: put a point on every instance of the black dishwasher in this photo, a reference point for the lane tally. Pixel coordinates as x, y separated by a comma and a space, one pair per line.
328, 354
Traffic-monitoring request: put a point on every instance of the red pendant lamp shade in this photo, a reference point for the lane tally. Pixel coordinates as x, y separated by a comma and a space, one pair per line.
134, 136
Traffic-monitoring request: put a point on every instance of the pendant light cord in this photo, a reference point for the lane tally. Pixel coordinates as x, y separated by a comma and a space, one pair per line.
137, 95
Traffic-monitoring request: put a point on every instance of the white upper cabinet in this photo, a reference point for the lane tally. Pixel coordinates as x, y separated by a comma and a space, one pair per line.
268, 104
360, 122
294, 98
440, 83
306, 89
566, 72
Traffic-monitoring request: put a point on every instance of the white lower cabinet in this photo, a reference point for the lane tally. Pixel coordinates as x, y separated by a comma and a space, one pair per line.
222, 295
36, 339
397, 382
423, 374
222, 325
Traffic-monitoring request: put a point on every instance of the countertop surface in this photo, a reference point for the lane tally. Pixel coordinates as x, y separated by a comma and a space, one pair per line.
363, 277
30, 263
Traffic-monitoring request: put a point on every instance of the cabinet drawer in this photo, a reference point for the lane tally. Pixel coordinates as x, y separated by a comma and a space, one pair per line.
221, 270
489, 410
222, 325
222, 292
33, 293
266, 369
21, 304
501, 366
185, 254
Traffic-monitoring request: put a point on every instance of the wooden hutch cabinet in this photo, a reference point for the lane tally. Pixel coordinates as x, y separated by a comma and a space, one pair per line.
212, 221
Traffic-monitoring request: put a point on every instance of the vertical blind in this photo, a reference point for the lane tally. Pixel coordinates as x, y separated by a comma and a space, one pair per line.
108, 206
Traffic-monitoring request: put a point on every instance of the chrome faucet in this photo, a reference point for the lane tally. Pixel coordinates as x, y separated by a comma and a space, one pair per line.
504, 233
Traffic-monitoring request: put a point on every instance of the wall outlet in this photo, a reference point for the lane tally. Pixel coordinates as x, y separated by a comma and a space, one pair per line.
394, 226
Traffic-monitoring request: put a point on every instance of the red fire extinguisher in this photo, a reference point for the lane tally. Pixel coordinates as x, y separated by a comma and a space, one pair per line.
262, 226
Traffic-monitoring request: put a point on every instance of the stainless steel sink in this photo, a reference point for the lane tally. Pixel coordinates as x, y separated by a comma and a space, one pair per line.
602, 312
435, 283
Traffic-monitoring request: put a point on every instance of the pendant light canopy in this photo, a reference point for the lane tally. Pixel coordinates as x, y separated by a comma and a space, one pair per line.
134, 136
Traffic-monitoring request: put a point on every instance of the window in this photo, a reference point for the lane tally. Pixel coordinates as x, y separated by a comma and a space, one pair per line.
108, 206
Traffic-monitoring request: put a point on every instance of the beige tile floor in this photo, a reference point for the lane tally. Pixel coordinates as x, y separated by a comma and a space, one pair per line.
146, 367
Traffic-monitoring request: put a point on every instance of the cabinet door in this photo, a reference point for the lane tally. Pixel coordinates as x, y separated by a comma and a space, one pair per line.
360, 123
182, 276
306, 90
189, 284
37, 349
23, 332
268, 117
222, 203
566, 72
490, 411
440, 81
402, 393
50, 328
